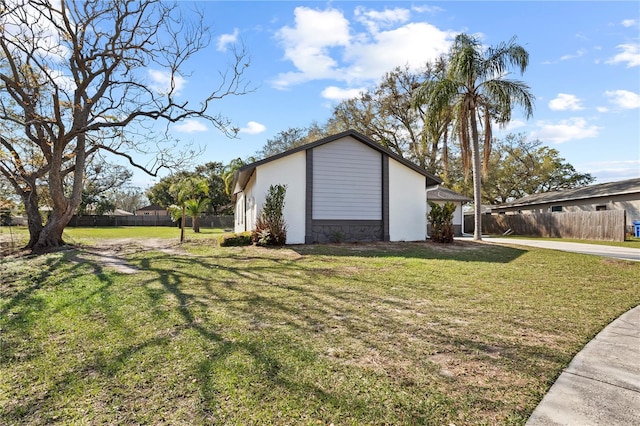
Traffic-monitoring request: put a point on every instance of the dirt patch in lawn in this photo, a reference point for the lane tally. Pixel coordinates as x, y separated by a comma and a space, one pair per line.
113, 253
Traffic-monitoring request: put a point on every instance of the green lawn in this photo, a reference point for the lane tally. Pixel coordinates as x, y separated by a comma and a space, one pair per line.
20, 236
411, 333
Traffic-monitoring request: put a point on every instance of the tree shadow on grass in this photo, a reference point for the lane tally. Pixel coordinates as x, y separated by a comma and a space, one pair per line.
465, 251
28, 331
260, 318
273, 357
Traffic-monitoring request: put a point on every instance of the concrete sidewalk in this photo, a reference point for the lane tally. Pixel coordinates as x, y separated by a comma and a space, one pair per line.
601, 386
594, 249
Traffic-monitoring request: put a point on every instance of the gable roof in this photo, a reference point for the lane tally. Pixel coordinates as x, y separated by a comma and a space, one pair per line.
152, 207
623, 187
243, 174
440, 193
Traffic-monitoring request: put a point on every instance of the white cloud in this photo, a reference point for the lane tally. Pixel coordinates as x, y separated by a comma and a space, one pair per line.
374, 20
161, 82
371, 58
190, 126
322, 44
623, 98
338, 94
253, 128
307, 44
565, 130
565, 102
609, 171
629, 22
630, 55
227, 39
578, 54
602, 109
428, 9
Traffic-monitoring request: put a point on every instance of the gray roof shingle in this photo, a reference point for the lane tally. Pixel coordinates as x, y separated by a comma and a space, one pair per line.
629, 186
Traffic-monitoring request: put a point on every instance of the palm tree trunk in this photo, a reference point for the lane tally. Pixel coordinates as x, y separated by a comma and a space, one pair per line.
182, 223
477, 176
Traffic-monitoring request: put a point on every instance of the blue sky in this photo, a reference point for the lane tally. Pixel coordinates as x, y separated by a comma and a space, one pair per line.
307, 56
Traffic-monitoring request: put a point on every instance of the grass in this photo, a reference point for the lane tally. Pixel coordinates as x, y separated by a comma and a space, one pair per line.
412, 333
19, 235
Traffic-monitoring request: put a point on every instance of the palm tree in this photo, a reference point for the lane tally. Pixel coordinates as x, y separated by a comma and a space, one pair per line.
195, 208
229, 171
191, 194
474, 89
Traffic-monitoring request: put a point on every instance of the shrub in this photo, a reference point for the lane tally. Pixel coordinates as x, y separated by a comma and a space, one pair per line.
271, 229
441, 220
234, 240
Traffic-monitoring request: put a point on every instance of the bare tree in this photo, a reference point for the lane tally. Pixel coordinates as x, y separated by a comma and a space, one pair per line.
74, 80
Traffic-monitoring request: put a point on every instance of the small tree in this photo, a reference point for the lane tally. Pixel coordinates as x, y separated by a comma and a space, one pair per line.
441, 220
191, 194
271, 229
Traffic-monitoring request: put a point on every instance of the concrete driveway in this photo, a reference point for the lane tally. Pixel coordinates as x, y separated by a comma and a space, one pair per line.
594, 249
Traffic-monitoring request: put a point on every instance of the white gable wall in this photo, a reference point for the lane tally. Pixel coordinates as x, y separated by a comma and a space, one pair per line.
289, 171
347, 193
407, 203
347, 181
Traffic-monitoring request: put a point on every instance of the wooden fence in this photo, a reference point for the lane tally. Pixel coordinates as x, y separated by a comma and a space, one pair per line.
607, 225
224, 222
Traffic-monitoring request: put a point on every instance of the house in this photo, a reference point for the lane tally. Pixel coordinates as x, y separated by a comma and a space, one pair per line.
344, 187
91, 211
620, 195
152, 210
441, 195
120, 212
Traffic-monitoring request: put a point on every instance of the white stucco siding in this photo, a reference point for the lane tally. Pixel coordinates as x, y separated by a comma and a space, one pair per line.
289, 171
407, 203
347, 181
245, 214
239, 214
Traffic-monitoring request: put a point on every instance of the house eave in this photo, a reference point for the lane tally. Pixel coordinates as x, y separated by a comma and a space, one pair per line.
243, 174
570, 195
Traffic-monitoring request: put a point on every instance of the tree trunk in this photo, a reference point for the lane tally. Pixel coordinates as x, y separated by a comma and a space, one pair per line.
51, 234
477, 177
196, 223
182, 223
34, 218
63, 207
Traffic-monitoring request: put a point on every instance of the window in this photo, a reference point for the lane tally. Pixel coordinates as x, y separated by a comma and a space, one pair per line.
601, 207
556, 209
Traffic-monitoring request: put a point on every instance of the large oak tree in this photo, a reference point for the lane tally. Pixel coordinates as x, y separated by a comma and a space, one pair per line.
74, 80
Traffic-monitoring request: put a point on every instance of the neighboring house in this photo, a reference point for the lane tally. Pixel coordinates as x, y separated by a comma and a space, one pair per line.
90, 211
341, 188
620, 195
119, 212
152, 210
441, 195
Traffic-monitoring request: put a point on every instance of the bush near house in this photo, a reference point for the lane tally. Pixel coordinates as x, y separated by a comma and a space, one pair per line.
441, 219
271, 229
235, 240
